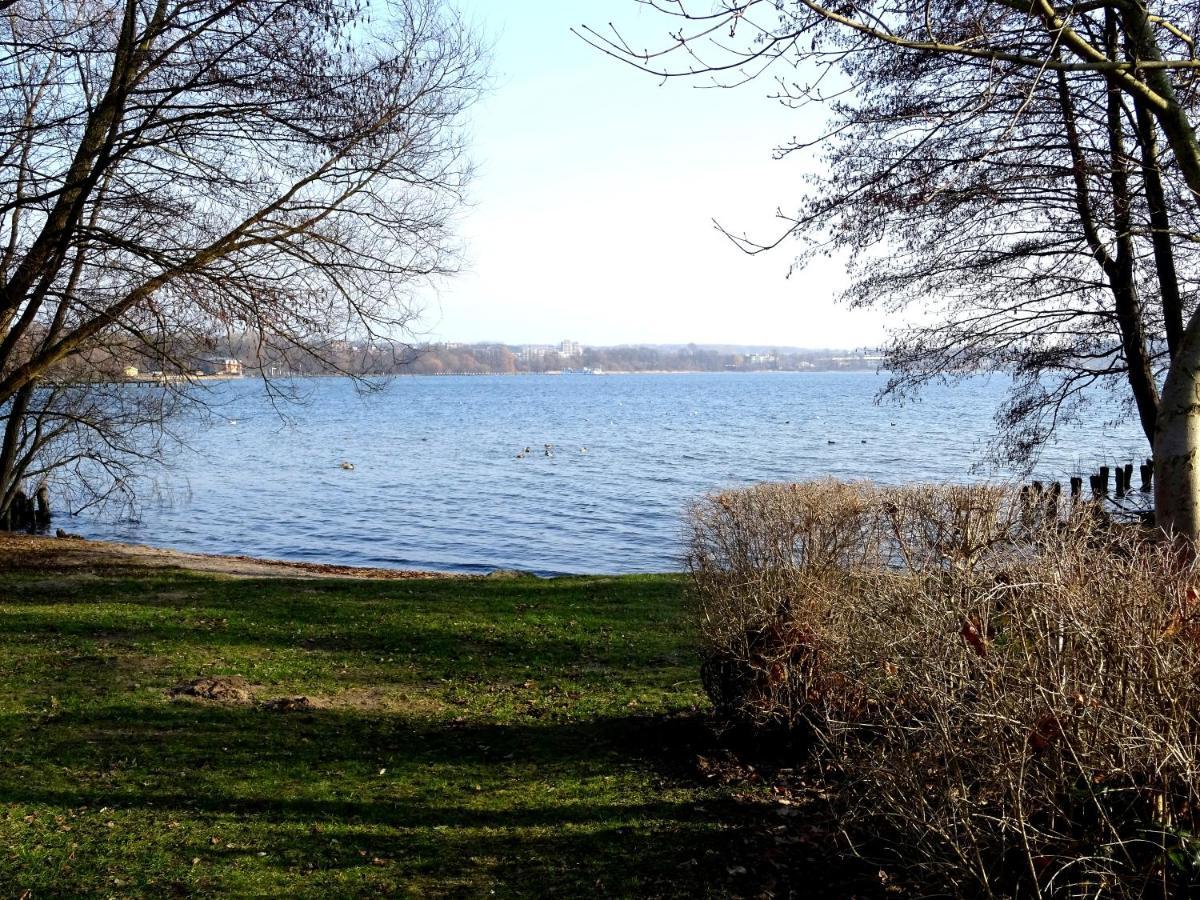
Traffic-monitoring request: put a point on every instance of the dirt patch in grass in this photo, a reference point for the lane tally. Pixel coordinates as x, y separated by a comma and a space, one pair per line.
218, 689
234, 689
373, 700
289, 705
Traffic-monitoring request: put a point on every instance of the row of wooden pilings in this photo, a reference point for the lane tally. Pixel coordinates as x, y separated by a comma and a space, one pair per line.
1124, 481
1044, 498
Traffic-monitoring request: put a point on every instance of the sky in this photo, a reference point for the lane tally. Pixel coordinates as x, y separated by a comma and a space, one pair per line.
596, 190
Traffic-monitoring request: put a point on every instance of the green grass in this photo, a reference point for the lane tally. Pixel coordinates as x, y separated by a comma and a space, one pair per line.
491, 737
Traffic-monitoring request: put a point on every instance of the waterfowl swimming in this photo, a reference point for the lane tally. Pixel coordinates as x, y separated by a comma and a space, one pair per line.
347, 465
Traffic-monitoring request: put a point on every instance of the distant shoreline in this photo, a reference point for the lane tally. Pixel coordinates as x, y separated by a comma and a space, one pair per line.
179, 379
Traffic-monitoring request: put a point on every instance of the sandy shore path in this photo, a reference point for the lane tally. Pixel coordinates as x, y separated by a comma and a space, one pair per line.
71, 553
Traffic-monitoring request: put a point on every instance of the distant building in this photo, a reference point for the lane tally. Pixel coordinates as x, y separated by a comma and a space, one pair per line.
530, 352
570, 348
130, 371
225, 366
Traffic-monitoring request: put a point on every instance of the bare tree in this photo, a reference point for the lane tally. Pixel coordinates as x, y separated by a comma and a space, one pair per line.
169, 170
1028, 85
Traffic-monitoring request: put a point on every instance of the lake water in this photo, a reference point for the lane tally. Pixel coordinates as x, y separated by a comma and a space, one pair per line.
437, 484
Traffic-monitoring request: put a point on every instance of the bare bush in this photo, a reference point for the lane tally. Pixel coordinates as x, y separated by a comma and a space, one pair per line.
1004, 702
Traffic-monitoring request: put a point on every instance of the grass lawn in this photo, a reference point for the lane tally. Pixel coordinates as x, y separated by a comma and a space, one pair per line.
476, 737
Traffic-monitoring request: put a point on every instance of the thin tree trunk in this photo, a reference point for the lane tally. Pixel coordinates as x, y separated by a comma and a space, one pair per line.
1118, 270
1160, 229
1138, 367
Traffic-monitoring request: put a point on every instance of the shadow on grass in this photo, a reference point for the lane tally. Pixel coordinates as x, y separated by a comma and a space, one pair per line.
555, 620
605, 802
528, 805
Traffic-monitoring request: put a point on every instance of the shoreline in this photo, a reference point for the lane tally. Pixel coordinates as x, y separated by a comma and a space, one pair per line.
19, 550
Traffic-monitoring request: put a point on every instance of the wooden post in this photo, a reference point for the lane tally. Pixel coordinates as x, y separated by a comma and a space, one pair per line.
1120, 473
1076, 488
1053, 496
1148, 476
1128, 477
1104, 480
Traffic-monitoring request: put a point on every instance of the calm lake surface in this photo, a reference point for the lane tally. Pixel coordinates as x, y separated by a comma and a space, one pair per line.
436, 483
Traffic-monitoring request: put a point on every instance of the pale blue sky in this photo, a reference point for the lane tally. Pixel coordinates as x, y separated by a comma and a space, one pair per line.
595, 193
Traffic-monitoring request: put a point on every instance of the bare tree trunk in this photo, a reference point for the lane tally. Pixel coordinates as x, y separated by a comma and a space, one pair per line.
1177, 431
1177, 442
9, 476
1177, 438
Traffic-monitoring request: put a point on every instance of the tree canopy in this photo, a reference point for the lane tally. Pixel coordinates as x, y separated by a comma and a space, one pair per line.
1024, 173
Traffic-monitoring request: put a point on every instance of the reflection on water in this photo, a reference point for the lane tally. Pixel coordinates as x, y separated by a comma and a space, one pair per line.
438, 475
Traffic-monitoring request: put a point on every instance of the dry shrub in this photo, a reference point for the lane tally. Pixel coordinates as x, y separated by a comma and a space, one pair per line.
1003, 702
768, 564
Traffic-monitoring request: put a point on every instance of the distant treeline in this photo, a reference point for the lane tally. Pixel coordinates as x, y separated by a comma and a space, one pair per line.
500, 359
362, 357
